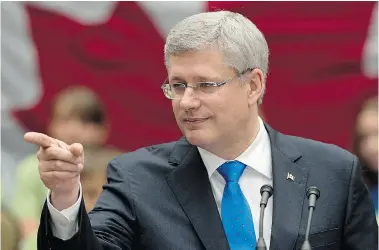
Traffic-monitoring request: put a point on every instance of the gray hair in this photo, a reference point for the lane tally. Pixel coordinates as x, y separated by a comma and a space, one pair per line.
241, 42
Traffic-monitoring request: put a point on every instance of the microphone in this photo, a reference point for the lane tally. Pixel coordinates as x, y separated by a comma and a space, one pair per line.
266, 192
313, 193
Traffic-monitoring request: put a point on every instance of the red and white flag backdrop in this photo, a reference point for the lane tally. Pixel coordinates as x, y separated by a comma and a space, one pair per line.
314, 87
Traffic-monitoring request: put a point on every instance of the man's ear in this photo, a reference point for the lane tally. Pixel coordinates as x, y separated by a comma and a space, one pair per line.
256, 84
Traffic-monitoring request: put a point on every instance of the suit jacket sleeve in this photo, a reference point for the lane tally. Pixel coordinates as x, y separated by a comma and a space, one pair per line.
361, 228
111, 225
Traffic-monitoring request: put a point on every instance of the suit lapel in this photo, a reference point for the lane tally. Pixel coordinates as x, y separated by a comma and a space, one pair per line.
190, 184
289, 181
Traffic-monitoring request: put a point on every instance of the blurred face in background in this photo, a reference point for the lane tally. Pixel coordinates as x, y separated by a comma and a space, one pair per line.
71, 129
78, 116
367, 132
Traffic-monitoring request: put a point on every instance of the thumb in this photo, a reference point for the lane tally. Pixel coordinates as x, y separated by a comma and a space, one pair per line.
76, 149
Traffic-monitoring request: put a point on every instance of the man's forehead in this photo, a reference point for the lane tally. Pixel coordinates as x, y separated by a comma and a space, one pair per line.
210, 52
202, 64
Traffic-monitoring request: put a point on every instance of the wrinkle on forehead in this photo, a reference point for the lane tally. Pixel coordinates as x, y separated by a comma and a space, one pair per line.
199, 66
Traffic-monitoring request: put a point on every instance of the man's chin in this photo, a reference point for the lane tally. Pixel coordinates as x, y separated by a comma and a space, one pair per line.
196, 137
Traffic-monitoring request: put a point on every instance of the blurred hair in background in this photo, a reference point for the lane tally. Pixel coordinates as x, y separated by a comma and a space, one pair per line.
366, 144
78, 115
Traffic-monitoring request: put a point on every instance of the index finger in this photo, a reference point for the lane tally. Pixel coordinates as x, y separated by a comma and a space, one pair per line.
39, 139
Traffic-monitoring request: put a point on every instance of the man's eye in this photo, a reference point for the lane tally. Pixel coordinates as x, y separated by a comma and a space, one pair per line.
207, 84
178, 85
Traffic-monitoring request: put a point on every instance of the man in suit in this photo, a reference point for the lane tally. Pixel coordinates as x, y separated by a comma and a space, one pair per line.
203, 191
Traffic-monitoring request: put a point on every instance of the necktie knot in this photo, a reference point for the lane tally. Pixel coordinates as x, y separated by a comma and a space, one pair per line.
231, 171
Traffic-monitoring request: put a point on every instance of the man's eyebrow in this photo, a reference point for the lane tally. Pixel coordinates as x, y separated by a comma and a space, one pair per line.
197, 79
207, 79
177, 79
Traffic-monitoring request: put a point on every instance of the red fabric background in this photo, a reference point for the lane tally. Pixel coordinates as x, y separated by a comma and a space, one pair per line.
314, 85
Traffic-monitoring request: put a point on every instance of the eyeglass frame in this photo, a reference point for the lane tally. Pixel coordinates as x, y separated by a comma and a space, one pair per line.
166, 86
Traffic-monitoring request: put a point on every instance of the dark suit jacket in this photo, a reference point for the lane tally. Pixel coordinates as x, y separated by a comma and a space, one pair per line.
160, 197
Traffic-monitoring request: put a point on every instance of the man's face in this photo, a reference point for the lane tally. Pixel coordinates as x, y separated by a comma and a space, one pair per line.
367, 127
216, 118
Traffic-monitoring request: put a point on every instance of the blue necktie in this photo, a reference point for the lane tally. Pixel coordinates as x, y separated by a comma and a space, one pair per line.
235, 211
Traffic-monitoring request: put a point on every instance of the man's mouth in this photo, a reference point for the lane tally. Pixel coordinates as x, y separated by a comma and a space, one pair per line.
194, 120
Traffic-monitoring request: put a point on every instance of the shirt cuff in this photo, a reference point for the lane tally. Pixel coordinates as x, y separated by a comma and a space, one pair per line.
64, 224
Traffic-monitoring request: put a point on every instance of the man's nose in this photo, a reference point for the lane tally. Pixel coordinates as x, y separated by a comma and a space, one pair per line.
190, 99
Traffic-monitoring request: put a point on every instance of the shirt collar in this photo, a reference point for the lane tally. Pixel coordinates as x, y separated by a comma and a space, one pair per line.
256, 156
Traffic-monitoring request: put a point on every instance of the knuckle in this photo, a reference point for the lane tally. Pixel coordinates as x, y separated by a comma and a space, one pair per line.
51, 152
58, 164
40, 154
80, 167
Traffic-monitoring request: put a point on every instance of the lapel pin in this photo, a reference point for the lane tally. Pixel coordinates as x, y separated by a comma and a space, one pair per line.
290, 176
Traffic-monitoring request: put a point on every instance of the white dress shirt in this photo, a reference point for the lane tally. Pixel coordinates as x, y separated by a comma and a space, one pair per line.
64, 224
258, 172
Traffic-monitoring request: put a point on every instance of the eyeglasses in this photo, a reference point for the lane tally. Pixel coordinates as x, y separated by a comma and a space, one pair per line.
175, 91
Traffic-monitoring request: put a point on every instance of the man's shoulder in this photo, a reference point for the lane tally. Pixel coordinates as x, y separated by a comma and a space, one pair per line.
309, 149
313, 146
163, 149
150, 156
321, 154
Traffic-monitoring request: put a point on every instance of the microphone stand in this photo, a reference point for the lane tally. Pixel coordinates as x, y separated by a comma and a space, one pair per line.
313, 193
266, 192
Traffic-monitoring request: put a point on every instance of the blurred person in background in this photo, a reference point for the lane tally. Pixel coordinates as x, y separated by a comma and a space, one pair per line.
10, 231
77, 115
94, 174
366, 145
